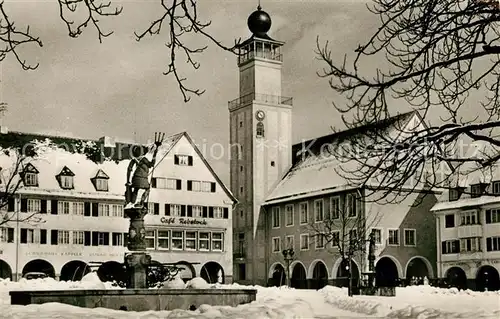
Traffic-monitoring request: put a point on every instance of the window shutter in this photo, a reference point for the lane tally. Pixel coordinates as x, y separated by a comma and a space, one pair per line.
212, 187
10, 235
226, 212
443, 247
43, 236
86, 209
125, 239
176, 159
53, 237
488, 216
189, 211
156, 209
190, 160
167, 209
153, 182
183, 210
106, 239
95, 209
43, 206
24, 205
488, 244
189, 185
53, 208
210, 212
11, 204
95, 238
179, 184
86, 238
24, 236
205, 211
457, 246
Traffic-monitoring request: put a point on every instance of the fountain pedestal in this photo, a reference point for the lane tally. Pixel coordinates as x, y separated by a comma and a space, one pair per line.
137, 261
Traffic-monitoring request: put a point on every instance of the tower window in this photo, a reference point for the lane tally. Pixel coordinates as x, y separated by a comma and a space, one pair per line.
241, 123
241, 189
241, 168
260, 129
272, 163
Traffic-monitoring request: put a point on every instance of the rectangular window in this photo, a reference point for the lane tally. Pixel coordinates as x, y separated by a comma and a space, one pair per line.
27, 236
150, 239
217, 244
320, 241
77, 237
204, 241
289, 215
318, 210
117, 210
101, 184
218, 212
67, 182
190, 240
206, 187
470, 244
410, 237
63, 207
163, 239
117, 239
393, 237
175, 210
276, 245
103, 239
78, 208
7, 235
304, 213
335, 239
469, 218
171, 183
304, 242
197, 211
352, 205
34, 206
377, 235
183, 160
63, 237
31, 179
492, 216
290, 242
103, 210
449, 221
43, 236
493, 244
475, 190
177, 239
353, 237
450, 247
496, 188
334, 207
276, 217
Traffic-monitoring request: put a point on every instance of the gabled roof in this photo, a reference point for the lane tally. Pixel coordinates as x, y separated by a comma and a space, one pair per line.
100, 174
30, 168
66, 172
219, 181
313, 172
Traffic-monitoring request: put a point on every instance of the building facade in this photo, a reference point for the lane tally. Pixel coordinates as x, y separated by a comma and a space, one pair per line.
74, 202
468, 235
281, 196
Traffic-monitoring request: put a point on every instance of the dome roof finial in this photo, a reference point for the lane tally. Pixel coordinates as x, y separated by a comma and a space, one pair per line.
259, 22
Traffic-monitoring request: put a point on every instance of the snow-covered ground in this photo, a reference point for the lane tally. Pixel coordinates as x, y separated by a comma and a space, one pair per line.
330, 302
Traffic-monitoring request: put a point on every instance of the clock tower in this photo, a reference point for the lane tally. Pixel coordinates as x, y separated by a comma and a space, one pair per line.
260, 139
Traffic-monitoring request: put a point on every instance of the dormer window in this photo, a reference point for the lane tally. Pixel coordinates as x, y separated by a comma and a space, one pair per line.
65, 178
30, 176
100, 181
496, 187
455, 193
477, 190
260, 129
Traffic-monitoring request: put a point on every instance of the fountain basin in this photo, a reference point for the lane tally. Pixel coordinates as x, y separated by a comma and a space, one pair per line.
137, 299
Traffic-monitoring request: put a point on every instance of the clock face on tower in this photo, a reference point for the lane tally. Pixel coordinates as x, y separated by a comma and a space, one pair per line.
260, 115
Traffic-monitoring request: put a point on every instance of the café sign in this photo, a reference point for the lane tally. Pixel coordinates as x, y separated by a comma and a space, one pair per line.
182, 221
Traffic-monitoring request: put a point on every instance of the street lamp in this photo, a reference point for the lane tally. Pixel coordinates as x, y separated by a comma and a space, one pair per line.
288, 256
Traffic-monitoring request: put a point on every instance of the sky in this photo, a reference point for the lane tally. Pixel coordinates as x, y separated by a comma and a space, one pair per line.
83, 88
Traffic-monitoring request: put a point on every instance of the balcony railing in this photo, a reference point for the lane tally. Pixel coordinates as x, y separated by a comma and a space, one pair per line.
266, 98
268, 55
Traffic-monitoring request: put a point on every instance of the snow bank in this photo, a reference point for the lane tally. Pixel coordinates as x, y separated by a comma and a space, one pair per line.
419, 302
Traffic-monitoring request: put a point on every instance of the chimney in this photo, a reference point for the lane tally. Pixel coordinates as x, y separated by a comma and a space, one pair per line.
3, 129
107, 141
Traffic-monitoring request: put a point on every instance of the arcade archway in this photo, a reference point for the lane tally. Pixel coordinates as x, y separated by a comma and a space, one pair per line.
112, 271
298, 277
39, 265
386, 273
487, 278
418, 267
456, 277
343, 272
187, 271
5, 270
212, 272
319, 276
277, 276
74, 270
